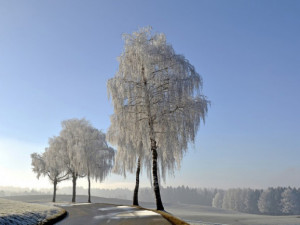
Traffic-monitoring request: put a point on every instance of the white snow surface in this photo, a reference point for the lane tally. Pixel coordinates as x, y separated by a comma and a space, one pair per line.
68, 204
21, 213
140, 213
120, 212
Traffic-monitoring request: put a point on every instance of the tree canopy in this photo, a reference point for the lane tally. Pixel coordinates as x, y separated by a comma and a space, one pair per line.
157, 98
152, 75
80, 150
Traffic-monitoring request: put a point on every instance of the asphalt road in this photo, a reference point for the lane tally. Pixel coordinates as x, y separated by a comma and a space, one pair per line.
99, 213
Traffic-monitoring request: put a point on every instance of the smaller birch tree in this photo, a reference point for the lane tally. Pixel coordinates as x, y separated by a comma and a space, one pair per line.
97, 157
72, 132
52, 163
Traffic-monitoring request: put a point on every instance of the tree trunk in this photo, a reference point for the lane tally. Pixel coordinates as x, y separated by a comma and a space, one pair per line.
89, 190
137, 183
74, 179
159, 204
54, 190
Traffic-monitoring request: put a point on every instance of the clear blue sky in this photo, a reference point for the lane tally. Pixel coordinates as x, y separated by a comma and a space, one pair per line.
56, 57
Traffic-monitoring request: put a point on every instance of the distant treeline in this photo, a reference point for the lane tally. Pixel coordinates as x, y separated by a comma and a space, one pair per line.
271, 201
22, 191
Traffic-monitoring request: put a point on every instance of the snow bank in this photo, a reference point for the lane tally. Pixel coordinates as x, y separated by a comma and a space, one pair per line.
19, 213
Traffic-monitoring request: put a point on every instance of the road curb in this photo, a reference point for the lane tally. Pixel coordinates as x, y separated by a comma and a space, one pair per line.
55, 218
168, 216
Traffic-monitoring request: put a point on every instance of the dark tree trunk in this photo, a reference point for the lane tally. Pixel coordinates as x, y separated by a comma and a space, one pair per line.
89, 190
74, 179
54, 190
159, 204
137, 183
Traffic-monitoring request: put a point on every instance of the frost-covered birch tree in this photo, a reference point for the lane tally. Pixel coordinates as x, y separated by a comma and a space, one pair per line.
87, 152
52, 163
80, 150
129, 158
157, 98
72, 133
97, 157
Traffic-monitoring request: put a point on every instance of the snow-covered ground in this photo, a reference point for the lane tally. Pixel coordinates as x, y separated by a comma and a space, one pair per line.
193, 214
200, 215
19, 213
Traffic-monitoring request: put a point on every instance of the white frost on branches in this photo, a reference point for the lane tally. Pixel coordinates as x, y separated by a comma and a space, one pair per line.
157, 95
53, 162
80, 150
87, 149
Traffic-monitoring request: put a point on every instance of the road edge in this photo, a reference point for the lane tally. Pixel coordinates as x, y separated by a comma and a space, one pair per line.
168, 216
55, 218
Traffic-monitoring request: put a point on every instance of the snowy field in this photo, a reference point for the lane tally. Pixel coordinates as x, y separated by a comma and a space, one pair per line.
16, 212
193, 214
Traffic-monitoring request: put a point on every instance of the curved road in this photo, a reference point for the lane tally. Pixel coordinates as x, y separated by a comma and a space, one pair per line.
100, 213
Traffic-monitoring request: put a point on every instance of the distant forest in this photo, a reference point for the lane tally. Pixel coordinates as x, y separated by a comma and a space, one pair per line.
271, 201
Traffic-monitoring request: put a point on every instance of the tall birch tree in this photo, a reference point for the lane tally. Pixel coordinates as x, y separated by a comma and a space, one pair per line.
157, 98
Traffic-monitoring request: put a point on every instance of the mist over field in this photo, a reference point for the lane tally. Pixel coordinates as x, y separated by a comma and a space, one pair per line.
271, 201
